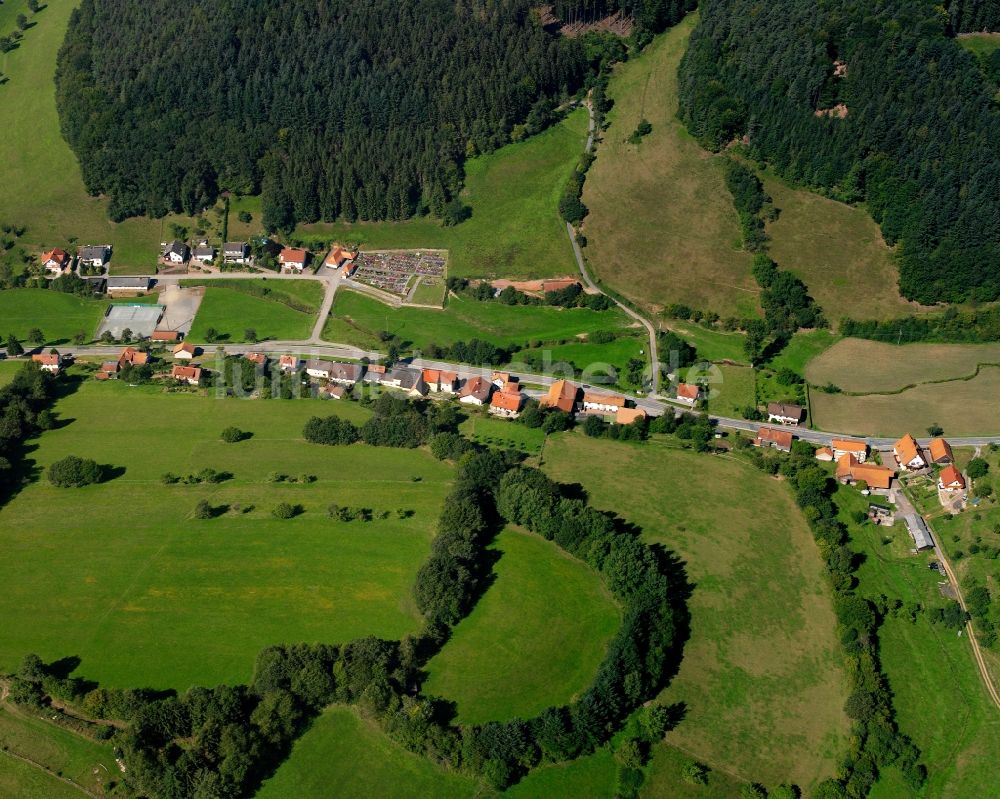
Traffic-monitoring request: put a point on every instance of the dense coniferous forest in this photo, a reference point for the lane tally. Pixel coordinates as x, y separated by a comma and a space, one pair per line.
865, 101
968, 16
360, 110
652, 15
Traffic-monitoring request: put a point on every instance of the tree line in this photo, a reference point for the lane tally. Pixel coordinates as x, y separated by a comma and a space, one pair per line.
652, 16
24, 411
332, 110
917, 138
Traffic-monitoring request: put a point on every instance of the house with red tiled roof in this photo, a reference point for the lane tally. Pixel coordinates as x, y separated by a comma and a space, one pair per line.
850, 471
55, 261
258, 358
293, 258
184, 352
440, 381
561, 395
597, 402
780, 440
288, 363
908, 454
629, 415
476, 391
849, 446
951, 479
339, 257
165, 335
506, 404
688, 393
940, 451
824, 454
132, 356
48, 361
187, 374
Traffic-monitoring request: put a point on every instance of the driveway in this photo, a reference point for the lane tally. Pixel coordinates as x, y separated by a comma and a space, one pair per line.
181, 307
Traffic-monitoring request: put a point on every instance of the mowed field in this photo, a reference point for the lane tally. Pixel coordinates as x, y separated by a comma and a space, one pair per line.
231, 313
534, 640
662, 227
358, 319
515, 229
122, 576
345, 750
43, 188
59, 316
938, 696
838, 252
761, 678
938, 383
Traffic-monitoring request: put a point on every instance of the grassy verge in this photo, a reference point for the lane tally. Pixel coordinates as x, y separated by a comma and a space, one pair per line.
121, 575
761, 680
556, 610
662, 228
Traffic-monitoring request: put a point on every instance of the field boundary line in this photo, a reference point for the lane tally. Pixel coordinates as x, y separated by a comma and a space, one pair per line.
40, 767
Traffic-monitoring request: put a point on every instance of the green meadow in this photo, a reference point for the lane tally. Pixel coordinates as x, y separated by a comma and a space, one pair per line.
502, 433
761, 680
359, 319
122, 576
501, 664
515, 229
59, 316
231, 311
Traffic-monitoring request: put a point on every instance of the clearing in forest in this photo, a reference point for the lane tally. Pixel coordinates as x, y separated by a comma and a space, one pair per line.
761, 678
662, 228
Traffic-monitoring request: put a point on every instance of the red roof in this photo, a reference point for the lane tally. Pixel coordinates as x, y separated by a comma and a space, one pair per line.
57, 255
782, 438
293, 255
185, 347
165, 335
950, 476
133, 356
256, 357
506, 402
688, 391
186, 372
47, 359
561, 395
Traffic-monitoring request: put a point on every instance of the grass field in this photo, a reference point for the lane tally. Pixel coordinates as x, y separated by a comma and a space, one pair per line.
344, 750
863, 366
358, 319
584, 354
53, 748
761, 677
939, 699
231, 312
121, 575
838, 252
503, 434
733, 392
712, 345
662, 227
59, 316
962, 408
534, 640
43, 188
515, 229
304, 293
24, 781
802, 349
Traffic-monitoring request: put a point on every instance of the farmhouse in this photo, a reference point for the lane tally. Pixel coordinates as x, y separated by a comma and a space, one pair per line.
184, 351
784, 413
940, 451
688, 393
108, 370
850, 470
332, 392
165, 335
345, 374
132, 356
293, 258
918, 531
476, 391
780, 440
951, 479
55, 261
602, 403
127, 285
440, 381
235, 252
561, 395
849, 446
49, 361
506, 404
318, 369
204, 252
187, 374
499, 378
288, 363
629, 415
176, 252
258, 358
96, 255
908, 453
824, 454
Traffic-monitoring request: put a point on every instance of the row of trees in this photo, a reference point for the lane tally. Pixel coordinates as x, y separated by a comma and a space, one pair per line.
951, 326
24, 410
763, 72
573, 296
653, 16
333, 110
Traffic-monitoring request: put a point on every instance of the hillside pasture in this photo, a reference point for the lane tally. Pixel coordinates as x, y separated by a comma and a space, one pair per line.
761, 680
533, 641
358, 319
961, 407
514, 231
662, 228
122, 575
863, 366
838, 251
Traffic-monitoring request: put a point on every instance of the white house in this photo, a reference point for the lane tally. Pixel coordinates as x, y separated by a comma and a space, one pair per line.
293, 258
602, 403
849, 446
235, 252
55, 261
688, 393
176, 252
476, 391
184, 351
506, 404
204, 252
784, 413
908, 453
48, 362
96, 255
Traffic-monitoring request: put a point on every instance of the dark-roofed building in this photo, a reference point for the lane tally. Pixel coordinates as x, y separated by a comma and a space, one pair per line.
235, 252
785, 413
127, 285
406, 379
95, 254
176, 252
476, 391
918, 531
204, 252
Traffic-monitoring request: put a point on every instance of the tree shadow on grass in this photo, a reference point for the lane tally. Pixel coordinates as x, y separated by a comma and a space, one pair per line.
109, 472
